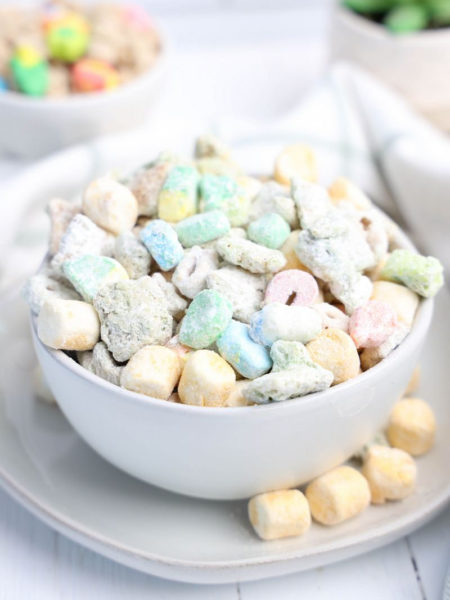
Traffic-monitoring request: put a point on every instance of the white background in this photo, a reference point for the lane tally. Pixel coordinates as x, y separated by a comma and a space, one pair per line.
228, 53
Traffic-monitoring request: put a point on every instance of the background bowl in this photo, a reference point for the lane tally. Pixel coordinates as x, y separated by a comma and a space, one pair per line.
416, 64
231, 453
32, 127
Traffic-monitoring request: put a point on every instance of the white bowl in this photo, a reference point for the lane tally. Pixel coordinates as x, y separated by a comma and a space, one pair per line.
416, 65
231, 453
32, 127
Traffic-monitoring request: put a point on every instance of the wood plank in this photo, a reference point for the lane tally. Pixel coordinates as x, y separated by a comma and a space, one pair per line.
385, 573
430, 547
36, 562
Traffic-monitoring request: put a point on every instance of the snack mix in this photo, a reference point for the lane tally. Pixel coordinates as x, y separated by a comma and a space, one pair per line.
191, 282
60, 47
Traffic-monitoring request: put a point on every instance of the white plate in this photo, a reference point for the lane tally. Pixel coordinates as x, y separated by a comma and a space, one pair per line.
46, 466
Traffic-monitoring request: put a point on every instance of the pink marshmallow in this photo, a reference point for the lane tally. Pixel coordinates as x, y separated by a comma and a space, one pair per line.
371, 324
292, 282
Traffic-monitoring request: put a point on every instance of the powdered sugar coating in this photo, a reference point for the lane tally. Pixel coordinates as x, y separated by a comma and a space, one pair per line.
371, 324
292, 283
133, 314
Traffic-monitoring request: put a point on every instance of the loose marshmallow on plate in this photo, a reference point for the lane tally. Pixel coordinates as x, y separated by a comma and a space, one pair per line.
412, 426
279, 514
338, 495
391, 473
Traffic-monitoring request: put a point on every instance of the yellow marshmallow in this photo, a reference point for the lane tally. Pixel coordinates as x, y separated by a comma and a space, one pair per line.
236, 397
413, 383
412, 426
403, 300
343, 190
296, 160
279, 514
207, 379
68, 324
334, 350
391, 473
288, 249
153, 371
338, 495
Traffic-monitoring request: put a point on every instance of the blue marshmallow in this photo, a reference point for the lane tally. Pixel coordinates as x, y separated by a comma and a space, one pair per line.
161, 241
235, 345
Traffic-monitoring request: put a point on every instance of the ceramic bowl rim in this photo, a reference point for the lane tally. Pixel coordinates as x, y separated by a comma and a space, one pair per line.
316, 400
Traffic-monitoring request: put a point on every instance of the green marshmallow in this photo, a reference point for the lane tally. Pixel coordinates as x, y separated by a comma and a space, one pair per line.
87, 273
207, 317
270, 230
223, 193
202, 228
289, 355
421, 274
67, 43
407, 18
30, 80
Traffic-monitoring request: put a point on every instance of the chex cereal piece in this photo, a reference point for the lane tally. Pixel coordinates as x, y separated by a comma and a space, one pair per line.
250, 256
146, 185
192, 271
133, 314
176, 304
43, 286
68, 325
288, 355
82, 236
100, 362
338, 495
207, 379
61, 213
274, 198
391, 473
244, 290
332, 316
88, 273
110, 205
132, 255
153, 371
280, 514
278, 386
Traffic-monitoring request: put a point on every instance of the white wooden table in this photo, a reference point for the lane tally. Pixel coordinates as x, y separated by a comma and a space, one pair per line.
254, 50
